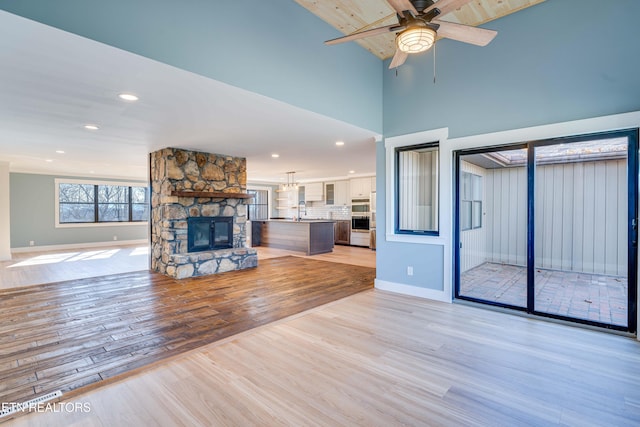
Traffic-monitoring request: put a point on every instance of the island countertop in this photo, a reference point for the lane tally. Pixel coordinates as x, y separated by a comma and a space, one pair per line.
311, 236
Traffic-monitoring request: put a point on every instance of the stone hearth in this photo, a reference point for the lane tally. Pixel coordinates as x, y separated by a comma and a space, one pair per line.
218, 183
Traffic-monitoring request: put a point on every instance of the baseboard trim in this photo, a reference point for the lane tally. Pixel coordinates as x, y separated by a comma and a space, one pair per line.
79, 246
400, 288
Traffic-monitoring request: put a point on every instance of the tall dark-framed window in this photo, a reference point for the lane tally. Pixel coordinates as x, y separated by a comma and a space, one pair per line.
259, 206
80, 202
417, 189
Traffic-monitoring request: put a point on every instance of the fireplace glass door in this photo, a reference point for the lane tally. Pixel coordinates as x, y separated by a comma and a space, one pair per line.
201, 235
221, 233
208, 233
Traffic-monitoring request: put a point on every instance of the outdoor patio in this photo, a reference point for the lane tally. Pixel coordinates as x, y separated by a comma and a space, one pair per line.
598, 298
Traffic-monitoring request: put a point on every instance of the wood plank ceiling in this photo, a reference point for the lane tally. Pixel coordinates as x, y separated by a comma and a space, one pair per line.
350, 16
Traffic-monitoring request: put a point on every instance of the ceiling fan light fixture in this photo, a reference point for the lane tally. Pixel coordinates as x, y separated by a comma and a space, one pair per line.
416, 39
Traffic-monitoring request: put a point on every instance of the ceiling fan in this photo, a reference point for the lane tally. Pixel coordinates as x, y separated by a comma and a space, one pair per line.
418, 27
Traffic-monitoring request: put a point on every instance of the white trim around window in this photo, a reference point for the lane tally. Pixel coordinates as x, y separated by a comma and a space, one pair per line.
437, 135
58, 181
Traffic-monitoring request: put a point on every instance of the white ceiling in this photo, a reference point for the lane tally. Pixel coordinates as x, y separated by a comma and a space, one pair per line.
52, 83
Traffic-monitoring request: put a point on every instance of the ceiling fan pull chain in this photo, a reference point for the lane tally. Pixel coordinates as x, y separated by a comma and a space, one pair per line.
434, 62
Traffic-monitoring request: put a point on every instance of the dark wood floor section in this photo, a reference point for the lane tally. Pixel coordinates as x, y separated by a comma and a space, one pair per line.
66, 335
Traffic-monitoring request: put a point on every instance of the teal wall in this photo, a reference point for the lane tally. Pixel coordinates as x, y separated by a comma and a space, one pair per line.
274, 48
557, 61
33, 216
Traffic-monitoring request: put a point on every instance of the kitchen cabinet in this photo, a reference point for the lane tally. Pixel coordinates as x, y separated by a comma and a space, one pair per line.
360, 188
341, 193
373, 183
301, 194
310, 237
337, 193
256, 233
329, 193
360, 238
342, 232
314, 192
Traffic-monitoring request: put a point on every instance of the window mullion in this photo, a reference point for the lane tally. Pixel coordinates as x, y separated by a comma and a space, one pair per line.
130, 205
95, 204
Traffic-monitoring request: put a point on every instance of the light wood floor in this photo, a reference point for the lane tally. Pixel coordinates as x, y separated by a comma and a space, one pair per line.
36, 268
381, 359
354, 255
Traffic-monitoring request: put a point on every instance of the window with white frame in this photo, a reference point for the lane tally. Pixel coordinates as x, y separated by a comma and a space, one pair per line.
417, 190
82, 203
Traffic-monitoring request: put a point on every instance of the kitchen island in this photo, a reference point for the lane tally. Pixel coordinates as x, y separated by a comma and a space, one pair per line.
309, 236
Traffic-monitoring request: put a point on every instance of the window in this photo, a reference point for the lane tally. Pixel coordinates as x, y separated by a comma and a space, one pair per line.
113, 203
259, 207
417, 189
470, 201
76, 203
139, 203
81, 203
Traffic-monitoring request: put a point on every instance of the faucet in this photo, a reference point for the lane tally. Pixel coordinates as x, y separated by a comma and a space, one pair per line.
304, 206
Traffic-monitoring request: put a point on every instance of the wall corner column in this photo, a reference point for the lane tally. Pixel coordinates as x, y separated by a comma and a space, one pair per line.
5, 210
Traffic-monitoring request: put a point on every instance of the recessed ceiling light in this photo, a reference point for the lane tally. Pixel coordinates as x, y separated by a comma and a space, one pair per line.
60, 151
128, 97
339, 143
352, 171
91, 127
48, 160
275, 156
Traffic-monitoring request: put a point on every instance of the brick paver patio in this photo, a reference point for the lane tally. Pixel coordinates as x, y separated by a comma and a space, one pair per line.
594, 297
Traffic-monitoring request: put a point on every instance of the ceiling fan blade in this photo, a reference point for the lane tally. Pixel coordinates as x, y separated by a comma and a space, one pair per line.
363, 34
465, 33
398, 59
446, 6
402, 5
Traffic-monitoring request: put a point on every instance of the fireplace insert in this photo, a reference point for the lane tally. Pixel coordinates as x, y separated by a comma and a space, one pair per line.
209, 233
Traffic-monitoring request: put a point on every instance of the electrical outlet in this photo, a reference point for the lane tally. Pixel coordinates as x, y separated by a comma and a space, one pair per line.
410, 270
32, 243
115, 237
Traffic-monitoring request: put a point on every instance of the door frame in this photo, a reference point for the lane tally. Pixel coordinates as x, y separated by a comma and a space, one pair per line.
632, 222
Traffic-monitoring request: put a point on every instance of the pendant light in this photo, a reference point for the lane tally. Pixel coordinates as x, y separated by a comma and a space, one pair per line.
291, 181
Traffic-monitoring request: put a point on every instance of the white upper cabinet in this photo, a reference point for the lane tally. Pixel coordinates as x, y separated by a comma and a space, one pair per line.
373, 183
342, 195
314, 192
360, 188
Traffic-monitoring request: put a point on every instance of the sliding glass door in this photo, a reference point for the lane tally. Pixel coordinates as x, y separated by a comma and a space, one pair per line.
581, 230
550, 227
492, 200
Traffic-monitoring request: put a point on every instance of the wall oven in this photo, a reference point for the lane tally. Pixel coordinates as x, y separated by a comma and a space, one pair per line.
360, 207
360, 223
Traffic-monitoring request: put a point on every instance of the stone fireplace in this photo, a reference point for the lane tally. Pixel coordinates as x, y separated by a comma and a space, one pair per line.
198, 213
